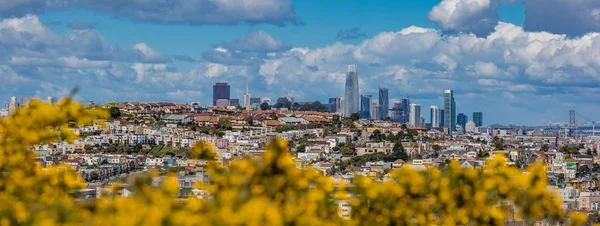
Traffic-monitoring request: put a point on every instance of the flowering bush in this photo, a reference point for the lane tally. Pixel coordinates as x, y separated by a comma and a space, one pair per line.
268, 190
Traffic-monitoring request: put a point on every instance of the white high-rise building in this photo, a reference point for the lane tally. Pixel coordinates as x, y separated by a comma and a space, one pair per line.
470, 127
50, 99
13, 104
415, 115
351, 96
436, 117
247, 97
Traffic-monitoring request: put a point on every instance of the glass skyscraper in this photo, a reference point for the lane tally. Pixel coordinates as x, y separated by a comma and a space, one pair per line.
365, 106
462, 120
220, 91
384, 103
478, 119
351, 93
449, 111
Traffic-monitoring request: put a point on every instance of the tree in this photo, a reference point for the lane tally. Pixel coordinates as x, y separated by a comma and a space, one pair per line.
399, 152
301, 147
94, 176
263, 190
264, 106
224, 123
377, 136
250, 120
115, 113
544, 148
354, 117
498, 143
296, 106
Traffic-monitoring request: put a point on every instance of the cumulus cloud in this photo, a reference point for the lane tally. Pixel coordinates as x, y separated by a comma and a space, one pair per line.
256, 41
469, 16
352, 33
571, 17
193, 12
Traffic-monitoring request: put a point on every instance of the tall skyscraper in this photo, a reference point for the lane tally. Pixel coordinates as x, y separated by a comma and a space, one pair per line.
384, 103
365, 106
220, 91
462, 119
255, 100
12, 107
374, 110
435, 116
478, 119
234, 102
334, 104
351, 94
441, 118
415, 115
449, 111
247, 97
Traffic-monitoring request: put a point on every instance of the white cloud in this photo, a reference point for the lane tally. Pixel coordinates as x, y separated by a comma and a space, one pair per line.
470, 16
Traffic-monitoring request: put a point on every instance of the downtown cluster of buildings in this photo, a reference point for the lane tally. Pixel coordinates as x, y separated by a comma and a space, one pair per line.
402, 111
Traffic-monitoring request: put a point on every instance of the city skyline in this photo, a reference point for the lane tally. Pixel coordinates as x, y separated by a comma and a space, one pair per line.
507, 67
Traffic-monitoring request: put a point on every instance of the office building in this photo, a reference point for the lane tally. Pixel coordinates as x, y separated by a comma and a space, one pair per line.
247, 97
449, 111
478, 119
470, 127
234, 102
351, 92
334, 104
384, 103
220, 91
12, 107
223, 103
25, 102
435, 116
415, 115
365, 106
255, 100
441, 118
462, 119
374, 110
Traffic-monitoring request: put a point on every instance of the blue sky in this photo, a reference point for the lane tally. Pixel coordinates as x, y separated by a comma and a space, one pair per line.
515, 60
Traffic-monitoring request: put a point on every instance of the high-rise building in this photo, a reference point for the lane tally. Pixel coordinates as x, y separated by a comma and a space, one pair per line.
384, 103
478, 119
223, 103
50, 100
334, 104
374, 110
12, 107
220, 91
234, 102
449, 111
342, 106
441, 118
247, 97
365, 106
462, 119
435, 116
415, 115
255, 100
25, 102
351, 94
470, 127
